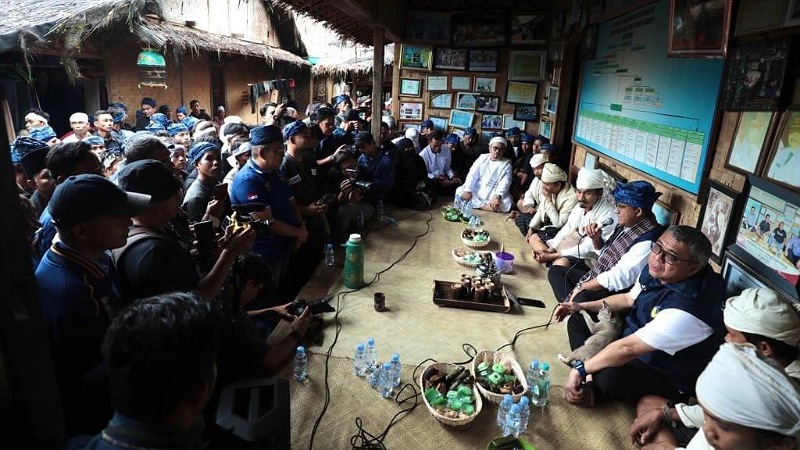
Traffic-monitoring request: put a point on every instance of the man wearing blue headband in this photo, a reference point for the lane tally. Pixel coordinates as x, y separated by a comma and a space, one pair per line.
205, 158
342, 104
425, 129
513, 150
98, 145
180, 133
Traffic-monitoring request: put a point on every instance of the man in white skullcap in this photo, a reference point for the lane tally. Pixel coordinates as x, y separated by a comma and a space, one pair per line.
557, 199
79, 122
529, 202
569, 247
489, 180
757, 316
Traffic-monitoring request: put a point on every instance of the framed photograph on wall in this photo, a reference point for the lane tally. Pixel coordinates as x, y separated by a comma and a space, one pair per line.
792, 18
428, 27
485, 84
546, 128
459, 83
406, 125
526, 64
699, 35
483, 60
450, 58
527, 113
440, 101
492, 122
529, 29
665, 215
479, 29
738, 276
437, 82
519, 92
784, 162
466, 100
461, 119
439, 123
588, 43
590, 160
509, 121
757, 16
416, 57
410, 87
755, 75
749, 141
552, 100
487, 103
410, 111
715, 217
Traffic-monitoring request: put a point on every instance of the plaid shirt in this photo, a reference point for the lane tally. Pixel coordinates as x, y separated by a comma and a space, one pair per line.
618, 244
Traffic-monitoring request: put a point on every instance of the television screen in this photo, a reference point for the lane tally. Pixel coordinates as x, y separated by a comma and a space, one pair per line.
768, 237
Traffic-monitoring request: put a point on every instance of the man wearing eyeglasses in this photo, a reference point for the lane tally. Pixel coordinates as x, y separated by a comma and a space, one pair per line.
673, 329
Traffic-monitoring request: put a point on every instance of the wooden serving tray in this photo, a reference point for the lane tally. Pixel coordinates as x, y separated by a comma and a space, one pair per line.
441, 290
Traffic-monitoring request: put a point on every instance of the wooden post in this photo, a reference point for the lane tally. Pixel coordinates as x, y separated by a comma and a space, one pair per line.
396, 84
377, 82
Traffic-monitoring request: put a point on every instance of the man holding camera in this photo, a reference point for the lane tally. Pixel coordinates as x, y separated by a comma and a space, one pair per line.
349, 204
260, 184
378, 166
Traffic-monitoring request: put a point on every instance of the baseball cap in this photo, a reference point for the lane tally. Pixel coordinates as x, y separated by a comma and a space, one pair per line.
151, 177
83, 197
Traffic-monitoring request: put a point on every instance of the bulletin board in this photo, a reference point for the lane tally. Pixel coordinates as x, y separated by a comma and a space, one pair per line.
643, 109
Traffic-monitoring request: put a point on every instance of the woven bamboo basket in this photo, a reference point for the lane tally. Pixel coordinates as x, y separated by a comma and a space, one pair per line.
490, 396
448, 422
474, 244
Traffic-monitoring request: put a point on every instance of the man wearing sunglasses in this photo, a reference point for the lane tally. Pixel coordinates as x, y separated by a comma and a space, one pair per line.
673, 328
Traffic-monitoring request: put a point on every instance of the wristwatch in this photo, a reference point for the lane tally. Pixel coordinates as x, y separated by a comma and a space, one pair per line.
667, 415
578, 365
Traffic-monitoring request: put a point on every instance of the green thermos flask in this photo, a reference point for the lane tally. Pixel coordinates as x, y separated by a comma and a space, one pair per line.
354, 262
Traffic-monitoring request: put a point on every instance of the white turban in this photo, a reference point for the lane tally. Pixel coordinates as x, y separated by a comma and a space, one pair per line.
591, 179
741, 386
498, 140
552, 173
37, 117
232, 119
761, 311
205, 131
538, 159
79, 117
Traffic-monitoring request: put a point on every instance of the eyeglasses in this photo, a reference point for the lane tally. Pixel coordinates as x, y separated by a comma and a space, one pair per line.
669, 258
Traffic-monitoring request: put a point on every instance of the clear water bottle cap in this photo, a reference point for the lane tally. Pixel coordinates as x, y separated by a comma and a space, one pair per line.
301, 349
387, 366
524, 400
360, 347
329, 246
370, 341
545, 366
355, 237
395, 357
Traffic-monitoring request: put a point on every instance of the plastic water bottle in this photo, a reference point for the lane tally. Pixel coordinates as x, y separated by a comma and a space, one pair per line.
360, 361
532, 376
502, 410
374, 379
524, 414
372, 355
543, 386
354, 262
330, 258
511, 427
300, 364
397, 369
386, 384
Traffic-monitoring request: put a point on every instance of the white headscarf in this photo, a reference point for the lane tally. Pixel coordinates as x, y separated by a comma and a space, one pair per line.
413, 134
538, 159
761, 311
552, 173
741, 386
498, 140
591, 179
37, 117
79, 117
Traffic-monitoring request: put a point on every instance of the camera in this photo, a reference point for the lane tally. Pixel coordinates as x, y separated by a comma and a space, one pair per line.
243, 216
319, 306
358, 176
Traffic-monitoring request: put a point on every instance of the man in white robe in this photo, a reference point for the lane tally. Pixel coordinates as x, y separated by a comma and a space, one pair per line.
489, 180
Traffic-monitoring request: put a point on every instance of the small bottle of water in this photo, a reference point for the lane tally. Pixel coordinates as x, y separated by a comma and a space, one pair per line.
381, 212
300, 364
372, 355
374, 379
330, 258
386, 383
360, 361
543, 386
511, 427
524, 413
397, 369
360, 220
532, 376
502, 410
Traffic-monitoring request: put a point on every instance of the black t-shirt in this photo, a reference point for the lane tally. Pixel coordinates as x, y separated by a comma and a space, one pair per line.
300, 180
196, 200
779, 235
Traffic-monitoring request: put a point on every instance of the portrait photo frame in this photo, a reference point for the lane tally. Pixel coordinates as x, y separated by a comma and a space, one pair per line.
461, 119
783, 165
411, 110
665, 215
410, 87
521, 92
466, 100
437, 82
526, 112
485, 84
479, 29
588, 44
440, 100
447, 58
526, 64
428, 27
717, 217
487, 103
552, 99
529, 29
492, 122
483, 60
546, 128
749, 141
439, 123
738, 276
756, 16
416, 57
689, 36
755, 76
460, 83
509, 122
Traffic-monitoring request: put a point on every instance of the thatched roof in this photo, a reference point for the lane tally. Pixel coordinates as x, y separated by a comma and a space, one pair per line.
335, 15
358, 59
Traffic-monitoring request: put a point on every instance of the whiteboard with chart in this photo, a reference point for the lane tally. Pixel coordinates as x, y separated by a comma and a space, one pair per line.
648, 111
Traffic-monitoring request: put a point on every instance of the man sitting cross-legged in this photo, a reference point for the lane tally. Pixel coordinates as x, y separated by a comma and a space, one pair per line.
489, 180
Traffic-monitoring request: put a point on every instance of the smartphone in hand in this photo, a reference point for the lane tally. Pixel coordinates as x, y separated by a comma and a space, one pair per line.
221, 191
531, 302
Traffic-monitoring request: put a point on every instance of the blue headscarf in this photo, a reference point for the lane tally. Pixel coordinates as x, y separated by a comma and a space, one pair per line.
526, 138
265, 134
639, 194
158, 122
24, 145
470, 131
94, 140
513, 131
199, 149
190, 122
293, 128
175, 128
181, 110
43, 133
451, 139
341, 99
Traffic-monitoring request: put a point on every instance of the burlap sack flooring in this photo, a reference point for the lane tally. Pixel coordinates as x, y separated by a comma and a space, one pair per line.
418, 329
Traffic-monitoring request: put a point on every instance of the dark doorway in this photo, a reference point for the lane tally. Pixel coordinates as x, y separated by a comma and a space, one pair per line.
217, 87
59, 97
